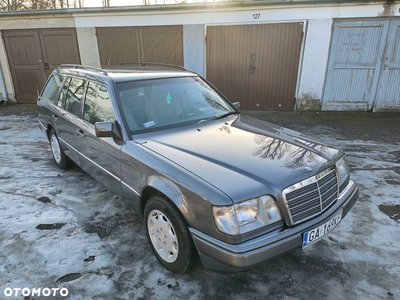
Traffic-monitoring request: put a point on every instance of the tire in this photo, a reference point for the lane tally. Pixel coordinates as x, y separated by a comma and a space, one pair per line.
169, 236
59, 157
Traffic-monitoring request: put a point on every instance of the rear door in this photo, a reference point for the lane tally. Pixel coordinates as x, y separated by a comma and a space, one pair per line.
67, 116
48, 99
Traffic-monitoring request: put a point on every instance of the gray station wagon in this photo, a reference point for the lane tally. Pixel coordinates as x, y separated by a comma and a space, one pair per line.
209, 182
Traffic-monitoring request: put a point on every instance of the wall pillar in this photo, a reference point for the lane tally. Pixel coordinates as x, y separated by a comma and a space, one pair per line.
88, 48
6, 74
315, 60
193, 48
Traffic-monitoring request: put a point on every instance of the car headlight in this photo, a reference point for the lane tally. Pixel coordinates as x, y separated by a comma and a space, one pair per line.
343, 170
246, 216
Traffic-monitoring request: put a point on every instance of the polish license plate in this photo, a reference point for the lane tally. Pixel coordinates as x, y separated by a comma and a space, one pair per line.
315, 234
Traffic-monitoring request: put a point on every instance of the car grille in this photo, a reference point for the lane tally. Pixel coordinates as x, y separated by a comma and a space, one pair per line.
312, 196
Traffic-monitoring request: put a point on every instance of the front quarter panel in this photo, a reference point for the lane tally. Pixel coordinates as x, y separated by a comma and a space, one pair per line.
143, 170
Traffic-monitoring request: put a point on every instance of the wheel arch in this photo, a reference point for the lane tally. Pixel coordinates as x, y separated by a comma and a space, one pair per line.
161, 186
48, 130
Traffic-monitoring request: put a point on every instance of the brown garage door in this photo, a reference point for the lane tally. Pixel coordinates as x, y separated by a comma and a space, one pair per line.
256, 65
33, 54
161, 44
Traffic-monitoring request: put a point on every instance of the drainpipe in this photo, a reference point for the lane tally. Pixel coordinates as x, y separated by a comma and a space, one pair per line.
3, 88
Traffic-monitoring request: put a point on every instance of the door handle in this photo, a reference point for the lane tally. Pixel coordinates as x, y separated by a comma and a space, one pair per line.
80, 133
55, 117
252, 63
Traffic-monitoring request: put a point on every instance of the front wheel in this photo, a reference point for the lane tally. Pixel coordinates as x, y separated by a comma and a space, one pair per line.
61, 160
169, 236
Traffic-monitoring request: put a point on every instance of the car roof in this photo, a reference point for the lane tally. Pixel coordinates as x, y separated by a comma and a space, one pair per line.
124, 74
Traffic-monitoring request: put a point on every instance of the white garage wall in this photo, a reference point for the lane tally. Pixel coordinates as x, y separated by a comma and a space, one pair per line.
315, 59
193, 48
88, 47
6, 74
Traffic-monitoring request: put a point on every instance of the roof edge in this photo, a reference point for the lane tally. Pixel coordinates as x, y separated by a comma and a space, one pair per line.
181, 6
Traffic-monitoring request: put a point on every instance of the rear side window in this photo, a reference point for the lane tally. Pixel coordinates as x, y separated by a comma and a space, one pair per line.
63, 92
74, 96
52, 87
98, 106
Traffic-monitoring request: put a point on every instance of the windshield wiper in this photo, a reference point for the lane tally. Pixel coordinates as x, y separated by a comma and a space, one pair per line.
225, 114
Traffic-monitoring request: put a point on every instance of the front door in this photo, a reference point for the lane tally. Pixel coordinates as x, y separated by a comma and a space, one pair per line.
100, 157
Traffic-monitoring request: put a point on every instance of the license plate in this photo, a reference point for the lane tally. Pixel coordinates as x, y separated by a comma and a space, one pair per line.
315, 234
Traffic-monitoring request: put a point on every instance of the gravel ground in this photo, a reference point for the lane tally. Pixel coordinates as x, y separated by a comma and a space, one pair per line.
62, 230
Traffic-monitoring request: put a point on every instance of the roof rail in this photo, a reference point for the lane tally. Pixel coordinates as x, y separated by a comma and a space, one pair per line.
152, 64
89, 68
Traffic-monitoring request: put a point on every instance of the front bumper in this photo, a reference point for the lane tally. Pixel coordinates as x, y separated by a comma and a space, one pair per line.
227, 258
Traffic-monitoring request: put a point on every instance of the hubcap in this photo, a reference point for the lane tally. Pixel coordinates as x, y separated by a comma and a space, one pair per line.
163, 236
55, 149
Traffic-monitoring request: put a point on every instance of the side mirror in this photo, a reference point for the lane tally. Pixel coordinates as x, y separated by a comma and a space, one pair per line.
108, 129
236, 104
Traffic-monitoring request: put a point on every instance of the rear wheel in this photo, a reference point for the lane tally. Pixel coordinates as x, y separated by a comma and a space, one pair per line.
61, 160
169, 236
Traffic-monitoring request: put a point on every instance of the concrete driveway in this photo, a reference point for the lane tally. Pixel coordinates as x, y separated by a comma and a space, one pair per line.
62, 232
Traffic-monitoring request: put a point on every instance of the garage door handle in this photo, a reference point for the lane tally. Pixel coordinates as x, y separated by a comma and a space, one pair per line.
252, 63
80, 133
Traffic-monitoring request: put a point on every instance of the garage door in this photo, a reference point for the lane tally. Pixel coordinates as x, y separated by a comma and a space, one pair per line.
161, 44
364, 66
388, 94
256, 65
33, 54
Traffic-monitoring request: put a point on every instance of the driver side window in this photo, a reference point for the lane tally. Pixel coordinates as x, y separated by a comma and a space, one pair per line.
98, 106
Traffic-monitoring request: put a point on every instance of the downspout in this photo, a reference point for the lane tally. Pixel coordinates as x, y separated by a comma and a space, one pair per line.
3, 88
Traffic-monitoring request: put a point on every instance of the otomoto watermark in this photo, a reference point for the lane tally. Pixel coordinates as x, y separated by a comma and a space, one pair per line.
28, 292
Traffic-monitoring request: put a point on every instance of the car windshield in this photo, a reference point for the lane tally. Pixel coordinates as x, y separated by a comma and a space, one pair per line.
161, 103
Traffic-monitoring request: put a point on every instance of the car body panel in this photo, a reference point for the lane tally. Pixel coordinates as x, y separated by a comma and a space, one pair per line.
241, 172
141, 169
66, 128
100, 157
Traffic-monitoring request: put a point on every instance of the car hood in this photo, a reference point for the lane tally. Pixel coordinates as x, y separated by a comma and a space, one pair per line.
241, 156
